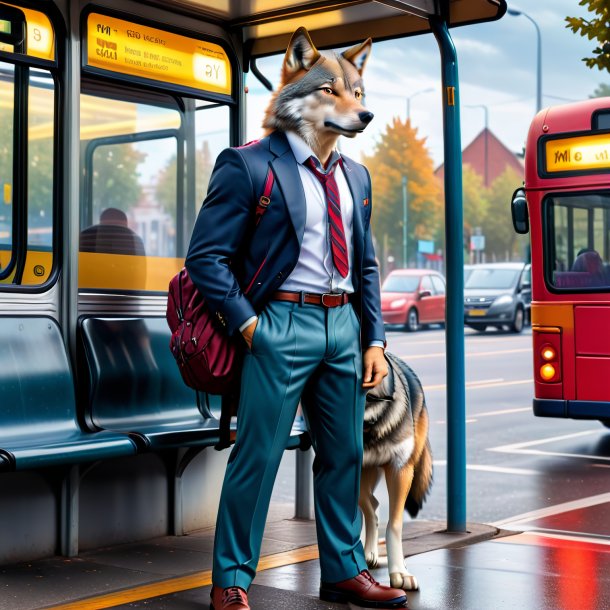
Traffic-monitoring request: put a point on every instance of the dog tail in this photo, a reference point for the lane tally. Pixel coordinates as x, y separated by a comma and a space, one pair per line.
422, 481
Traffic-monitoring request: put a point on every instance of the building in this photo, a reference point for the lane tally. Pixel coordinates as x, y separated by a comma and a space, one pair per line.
487, 156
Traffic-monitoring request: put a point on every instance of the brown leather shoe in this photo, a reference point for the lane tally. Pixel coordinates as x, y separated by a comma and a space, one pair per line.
231, 598
364, 591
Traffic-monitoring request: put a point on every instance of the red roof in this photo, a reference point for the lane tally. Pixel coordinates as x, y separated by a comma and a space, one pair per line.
498, 157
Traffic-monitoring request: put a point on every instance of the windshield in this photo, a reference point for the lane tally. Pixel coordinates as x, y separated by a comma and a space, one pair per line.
492, 278
401, 283
577, 250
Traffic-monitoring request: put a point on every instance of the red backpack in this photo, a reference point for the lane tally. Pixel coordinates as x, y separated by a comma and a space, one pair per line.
208, 358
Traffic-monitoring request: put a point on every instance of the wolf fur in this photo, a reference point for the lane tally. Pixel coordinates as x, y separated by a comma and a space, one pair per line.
321, 94
395, 442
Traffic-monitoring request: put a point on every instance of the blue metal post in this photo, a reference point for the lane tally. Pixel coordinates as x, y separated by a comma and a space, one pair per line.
456, 393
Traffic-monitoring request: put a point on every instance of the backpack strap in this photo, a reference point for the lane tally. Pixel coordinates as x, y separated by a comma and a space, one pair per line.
265, 198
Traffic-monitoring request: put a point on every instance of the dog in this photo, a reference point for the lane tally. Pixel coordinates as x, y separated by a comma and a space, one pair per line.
395, 443
321, 93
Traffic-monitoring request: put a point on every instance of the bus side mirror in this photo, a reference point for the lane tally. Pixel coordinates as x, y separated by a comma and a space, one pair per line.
518, 208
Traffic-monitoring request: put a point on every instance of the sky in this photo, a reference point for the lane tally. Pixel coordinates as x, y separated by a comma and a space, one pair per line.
497, 68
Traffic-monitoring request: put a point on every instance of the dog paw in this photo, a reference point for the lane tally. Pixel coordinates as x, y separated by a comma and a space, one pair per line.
372, 559
404, 580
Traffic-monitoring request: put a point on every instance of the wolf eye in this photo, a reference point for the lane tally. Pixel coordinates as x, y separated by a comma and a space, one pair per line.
327, 90
358, 95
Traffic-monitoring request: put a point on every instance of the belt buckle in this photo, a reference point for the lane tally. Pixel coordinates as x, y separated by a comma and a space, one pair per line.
332, 295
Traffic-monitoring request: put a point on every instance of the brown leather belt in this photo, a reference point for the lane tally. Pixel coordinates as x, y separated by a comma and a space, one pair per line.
325, 300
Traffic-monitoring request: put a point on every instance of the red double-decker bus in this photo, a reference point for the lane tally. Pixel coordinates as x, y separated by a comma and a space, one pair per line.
566, 202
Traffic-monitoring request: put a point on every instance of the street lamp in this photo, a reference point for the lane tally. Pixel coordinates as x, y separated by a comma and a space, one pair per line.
486, 138
517, 13
414, 95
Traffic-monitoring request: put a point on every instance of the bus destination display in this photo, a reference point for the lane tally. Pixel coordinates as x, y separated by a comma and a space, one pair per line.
40, 37
580, 153
136, 50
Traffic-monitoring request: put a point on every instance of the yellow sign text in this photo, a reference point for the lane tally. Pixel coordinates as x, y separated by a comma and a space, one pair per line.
579, 153
137, 50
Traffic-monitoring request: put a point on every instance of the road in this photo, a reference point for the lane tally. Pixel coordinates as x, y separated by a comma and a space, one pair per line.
516, 463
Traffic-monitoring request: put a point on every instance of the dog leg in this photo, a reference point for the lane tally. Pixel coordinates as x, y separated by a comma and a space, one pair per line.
399, 483
368, 504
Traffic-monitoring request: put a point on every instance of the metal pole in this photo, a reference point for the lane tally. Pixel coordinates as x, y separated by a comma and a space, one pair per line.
454, 222
515, 13
404, 222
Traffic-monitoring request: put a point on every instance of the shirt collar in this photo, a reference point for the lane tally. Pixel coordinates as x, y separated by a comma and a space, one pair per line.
302, 151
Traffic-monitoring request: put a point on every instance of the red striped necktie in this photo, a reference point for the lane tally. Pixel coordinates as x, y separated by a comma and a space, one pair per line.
335, 223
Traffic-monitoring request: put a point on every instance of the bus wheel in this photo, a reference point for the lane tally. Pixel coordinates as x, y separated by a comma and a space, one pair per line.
605, 422
479, 327
517, 325
412, 323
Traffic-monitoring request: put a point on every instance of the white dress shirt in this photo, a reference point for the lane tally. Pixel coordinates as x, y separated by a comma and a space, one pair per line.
315, 273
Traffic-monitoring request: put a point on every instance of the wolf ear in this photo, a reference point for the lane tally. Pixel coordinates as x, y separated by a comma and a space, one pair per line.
359, 54
301, 53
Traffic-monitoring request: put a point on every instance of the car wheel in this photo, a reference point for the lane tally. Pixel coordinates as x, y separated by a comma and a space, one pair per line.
518, 321
412, 323
479, 327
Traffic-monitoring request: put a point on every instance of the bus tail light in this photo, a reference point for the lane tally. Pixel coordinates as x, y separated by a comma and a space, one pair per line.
547, 355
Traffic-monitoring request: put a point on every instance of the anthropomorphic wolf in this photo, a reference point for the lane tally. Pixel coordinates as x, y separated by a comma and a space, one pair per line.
395, 443
302, 287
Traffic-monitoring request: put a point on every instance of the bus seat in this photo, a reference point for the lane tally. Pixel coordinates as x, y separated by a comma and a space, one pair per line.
135, 386
574, 279
38, 424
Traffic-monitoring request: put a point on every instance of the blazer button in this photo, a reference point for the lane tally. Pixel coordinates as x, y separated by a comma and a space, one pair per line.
280, 275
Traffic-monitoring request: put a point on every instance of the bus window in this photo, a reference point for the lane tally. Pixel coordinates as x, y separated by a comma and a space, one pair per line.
578, 242
212, 135
37, 253
133, 182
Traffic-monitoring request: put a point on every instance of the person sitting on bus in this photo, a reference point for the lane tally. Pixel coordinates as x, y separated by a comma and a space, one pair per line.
112, 235
589, 261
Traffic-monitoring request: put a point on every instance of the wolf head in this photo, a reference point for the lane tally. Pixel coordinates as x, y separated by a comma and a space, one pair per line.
321, 93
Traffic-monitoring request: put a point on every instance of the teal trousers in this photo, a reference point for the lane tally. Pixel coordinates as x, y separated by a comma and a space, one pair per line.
312, 354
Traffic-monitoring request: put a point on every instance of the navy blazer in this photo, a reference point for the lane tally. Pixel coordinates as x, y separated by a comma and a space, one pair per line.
237, 265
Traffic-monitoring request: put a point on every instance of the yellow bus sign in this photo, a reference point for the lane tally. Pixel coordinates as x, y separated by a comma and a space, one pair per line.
132, 49
40, 40
580, 153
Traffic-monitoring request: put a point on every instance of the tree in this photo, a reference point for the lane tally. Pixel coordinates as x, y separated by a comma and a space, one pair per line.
597, 28
398, 153
476, 202
165, 190
602, 91
115, 176
501, 241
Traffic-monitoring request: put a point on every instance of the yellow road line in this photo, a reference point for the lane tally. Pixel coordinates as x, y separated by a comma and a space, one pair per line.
182, 583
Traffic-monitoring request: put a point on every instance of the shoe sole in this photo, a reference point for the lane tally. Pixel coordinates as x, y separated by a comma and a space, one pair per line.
344, 598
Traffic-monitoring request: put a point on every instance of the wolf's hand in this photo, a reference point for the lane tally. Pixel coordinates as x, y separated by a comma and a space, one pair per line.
375, 367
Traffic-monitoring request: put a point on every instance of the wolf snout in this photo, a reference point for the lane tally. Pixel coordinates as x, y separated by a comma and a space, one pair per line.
366, 117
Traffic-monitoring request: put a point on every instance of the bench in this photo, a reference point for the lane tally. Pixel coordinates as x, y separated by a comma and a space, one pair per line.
135, 388
38, 418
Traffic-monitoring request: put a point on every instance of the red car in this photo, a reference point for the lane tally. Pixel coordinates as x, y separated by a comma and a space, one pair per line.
412, 297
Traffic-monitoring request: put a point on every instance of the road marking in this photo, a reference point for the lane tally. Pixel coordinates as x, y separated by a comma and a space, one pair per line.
556, 509
521, 448
497, 469
468, 354
475, 385
503, 411
534, 538
181, 583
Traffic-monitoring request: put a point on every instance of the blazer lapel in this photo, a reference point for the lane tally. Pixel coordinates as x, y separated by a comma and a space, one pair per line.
358, 195
288, 179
